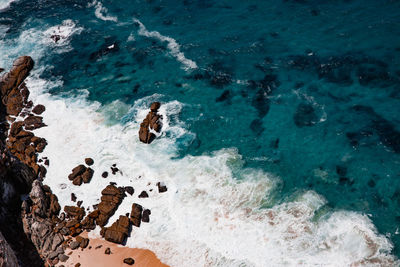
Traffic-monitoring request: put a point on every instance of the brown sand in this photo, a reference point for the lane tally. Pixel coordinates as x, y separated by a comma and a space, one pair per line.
96, 258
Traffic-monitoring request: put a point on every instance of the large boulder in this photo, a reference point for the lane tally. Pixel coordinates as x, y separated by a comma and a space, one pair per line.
20, 70
136, 214
118, 231
111, 198
152, 122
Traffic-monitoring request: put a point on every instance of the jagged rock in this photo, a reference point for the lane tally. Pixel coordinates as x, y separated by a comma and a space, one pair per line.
143, 194
151, 122
104, 174
77, 180
129, 261
161, 187
129, 190
39, 109
12, 87
155, 106
33, 122
114, 170
74, 212
79, 203
118, 231
78, 170
16, 127
89, 161
110, 200
73, 197
107, 251
146, 216
87, 175
54, 205
136, 214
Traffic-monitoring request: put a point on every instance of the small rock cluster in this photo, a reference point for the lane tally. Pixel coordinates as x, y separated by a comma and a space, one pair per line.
150, 123
81, 173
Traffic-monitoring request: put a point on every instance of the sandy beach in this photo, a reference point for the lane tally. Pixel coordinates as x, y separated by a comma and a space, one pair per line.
95, 256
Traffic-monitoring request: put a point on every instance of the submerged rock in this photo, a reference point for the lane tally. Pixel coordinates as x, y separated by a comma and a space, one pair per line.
305, 115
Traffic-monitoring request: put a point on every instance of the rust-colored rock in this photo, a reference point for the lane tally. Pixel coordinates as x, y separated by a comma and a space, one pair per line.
38, 109
16, 127
87, 175
78, 170
74, 212
118, 231
155, 106
151, 122
20, 70
112, 197
89, 161
136, 214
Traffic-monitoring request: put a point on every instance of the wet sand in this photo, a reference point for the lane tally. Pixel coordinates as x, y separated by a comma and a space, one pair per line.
97, 257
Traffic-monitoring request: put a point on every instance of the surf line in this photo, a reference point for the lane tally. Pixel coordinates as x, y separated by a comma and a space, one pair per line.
173, 46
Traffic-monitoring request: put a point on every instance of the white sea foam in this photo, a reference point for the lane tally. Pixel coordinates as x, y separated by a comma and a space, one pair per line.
64, 31
207, 217
210, 215
35, 42
101, 12
173, 46
5, 3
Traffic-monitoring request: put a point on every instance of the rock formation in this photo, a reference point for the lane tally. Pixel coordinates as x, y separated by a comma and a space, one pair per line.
118, 231
150, 124
81, 173
40, 216
136, 214
19, 168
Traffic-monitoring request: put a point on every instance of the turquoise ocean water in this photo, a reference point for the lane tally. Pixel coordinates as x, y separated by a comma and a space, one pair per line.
307, 91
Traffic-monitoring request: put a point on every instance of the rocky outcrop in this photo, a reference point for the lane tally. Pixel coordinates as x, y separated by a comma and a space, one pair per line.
40, 216
14, 93
19, 167
111, 198
151, 124
118, 231
22, 143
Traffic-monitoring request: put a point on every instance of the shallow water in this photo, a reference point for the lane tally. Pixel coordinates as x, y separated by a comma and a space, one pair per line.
270, 105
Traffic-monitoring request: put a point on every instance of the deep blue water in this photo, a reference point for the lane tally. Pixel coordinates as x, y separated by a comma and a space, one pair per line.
306, 90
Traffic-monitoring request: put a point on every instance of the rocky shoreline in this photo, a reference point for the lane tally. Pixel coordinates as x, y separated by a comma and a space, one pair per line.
36, 230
